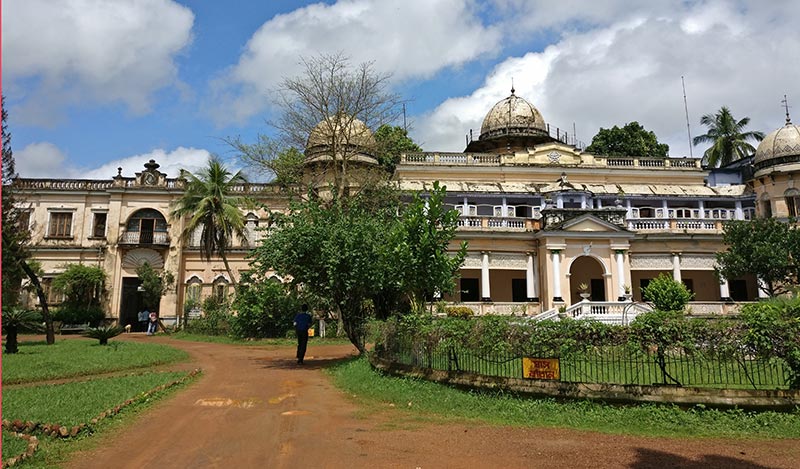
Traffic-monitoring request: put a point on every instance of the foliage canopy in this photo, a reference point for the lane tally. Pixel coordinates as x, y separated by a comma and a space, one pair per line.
630, 140
727, 137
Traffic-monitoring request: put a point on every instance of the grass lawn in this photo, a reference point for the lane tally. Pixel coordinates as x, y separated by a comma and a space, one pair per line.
75, 403
358, 378
37, 361
84, 398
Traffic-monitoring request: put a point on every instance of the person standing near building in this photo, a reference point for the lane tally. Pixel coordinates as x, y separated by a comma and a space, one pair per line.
143, 316
302, 322
152, 326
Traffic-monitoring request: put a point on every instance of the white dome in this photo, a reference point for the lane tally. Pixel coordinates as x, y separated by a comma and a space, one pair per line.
341, 130
779, 147
513, 116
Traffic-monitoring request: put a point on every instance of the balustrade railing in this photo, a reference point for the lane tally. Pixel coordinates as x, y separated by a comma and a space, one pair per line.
144, 237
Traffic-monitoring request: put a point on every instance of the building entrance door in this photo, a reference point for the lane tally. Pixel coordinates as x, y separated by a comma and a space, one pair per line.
131, 304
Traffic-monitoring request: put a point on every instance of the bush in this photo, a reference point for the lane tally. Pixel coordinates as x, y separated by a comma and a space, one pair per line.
69, 314
103, 333
264, 309
666, 294
215, 320
464, 312
772, 329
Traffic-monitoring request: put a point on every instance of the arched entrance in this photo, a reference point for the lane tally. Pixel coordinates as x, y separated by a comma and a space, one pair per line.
588, 270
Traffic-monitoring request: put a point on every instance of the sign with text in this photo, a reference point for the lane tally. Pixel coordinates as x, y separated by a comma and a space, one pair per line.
540, 368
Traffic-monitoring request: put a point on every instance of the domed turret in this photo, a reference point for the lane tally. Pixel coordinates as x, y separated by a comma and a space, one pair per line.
513, 116
512, 123
350, 135
780, 147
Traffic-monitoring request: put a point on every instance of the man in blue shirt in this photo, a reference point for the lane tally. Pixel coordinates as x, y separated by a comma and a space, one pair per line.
302, 322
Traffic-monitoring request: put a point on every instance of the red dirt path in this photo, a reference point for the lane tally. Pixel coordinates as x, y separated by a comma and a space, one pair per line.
254, 408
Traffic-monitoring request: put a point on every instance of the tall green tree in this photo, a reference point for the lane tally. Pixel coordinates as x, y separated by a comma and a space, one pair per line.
727, 137
338, 252
16, 262
421, 262
281, 164
764, 247
630, 140
83, 287
393, 140
209, 203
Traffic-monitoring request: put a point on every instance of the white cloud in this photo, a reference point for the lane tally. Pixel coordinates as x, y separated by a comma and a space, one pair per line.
407, 38
67, 52
730, 54
45, 160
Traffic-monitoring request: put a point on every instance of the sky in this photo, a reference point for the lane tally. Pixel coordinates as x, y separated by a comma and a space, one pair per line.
92, 85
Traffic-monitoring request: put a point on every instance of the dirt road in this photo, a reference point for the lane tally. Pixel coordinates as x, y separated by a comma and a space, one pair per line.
253, 407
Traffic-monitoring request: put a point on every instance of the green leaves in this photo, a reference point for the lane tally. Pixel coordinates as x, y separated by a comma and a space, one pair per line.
630, 140
666, 294
727, 137
764, 247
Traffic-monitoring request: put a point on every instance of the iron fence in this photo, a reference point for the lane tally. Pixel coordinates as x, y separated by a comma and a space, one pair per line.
620, 365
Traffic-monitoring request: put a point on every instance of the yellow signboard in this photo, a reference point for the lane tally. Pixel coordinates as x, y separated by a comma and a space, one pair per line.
540, 368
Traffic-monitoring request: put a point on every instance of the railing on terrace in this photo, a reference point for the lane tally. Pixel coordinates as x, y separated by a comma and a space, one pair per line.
144, 237
608, 312
621, 365
492, 159
63, 184
675, 224
498, 223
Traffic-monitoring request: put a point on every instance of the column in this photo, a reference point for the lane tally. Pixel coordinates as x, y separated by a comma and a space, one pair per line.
485, 293
621, 274
557, 276
599, 202
739, 212
665, 209
702, 206
531, 278
559, 201
628, 207
724, 292
676, 266
583, 201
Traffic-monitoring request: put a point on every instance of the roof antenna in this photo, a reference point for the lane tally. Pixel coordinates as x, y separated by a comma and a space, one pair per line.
686, 108
786, 106
512, 85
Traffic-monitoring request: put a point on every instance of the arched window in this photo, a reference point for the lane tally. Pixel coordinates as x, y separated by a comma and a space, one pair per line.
220, 290
146, 226
792, 197
194, 288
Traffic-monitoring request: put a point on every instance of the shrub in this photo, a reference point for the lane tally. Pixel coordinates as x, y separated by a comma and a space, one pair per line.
72, 314
83, 287
215, 320
666, 294
103, 333
264, 309
772, 329
464, 312
16, 320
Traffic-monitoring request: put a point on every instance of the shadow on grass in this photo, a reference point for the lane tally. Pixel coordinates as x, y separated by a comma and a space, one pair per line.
649, 458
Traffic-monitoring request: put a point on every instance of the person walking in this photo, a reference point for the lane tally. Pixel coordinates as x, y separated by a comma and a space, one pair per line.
302, 322
143, 315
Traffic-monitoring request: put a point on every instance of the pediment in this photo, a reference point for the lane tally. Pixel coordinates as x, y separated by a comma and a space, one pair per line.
590, 223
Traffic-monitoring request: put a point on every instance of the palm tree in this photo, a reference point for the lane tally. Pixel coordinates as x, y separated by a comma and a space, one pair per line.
727, 137
209, 205
15, 319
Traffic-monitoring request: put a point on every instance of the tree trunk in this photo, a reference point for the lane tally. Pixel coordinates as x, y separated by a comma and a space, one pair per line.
48, 321
228, 268
352, 329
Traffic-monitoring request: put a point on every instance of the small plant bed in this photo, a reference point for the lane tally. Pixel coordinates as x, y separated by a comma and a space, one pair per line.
82, 357
425, 398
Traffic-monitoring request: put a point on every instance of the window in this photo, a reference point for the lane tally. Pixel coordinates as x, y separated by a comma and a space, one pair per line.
792, 202
469, 289
221, 289
99, 227
467, 210
60, 225
749, 213
519, 290
193, 292
766, 206
24, 220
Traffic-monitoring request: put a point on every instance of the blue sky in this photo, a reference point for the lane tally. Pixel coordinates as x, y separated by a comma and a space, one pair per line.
92, 84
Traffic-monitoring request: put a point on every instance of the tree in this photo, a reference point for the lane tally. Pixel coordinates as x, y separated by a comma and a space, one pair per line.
210, 206
84, 288
631, 140
419, 244
154, 285
282, 164
16, 264
338, 252
764, 247
727, 138
334, 106
16, 319
393, 140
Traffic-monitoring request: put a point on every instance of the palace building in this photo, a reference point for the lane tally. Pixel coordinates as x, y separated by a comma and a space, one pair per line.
540, 215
